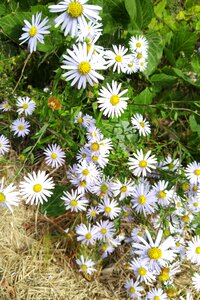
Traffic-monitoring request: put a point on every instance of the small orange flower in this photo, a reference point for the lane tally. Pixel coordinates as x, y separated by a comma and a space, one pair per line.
54, 103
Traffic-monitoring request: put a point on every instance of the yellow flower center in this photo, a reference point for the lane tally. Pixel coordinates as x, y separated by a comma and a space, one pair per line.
33, 31
104, 247
164, 274
118, 58
130, 64
93, 213
80, 120
142, 124
103, 230
139, 56
142, 271
171, 166
196, 204
53, 155
185, 186
108, 210
161, 195
154, 253
143, 164
142, 199
84, 268
37, 187
156, 298
74, 203
95, 157
95, 146
178, 204
6, 105
82, 183
138, 44
197, 250
114, 100
2, 197
178, 244
21, 127
104, 188
123, 189
195, 188
88, 236
132, 290
197, 172
185, 219
25, 105
85, 172
75, 9
84, 68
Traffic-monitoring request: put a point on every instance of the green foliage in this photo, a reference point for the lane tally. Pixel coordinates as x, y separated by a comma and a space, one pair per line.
55, 206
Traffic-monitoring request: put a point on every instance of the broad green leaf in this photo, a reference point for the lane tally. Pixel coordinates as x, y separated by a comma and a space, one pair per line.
183, 41
55, 205
188, 77
12, 24
196, 63
145, 97
163, 79
159, 8
140, 12
195, 127
154, 53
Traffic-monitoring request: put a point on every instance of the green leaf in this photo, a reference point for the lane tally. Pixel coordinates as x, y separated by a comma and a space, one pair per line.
163, 79
187, 77
159, 8
196, 63
140, 12
55, 205
12, 24
154, 53
145, 97
183, 41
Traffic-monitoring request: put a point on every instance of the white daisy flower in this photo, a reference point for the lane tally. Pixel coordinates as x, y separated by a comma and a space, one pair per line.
89, 32
118, 58
34, 31
93, 133
156, 294
55, 157
196, 281
98, 158
193, 250
79, 119
25, 105
102, 187
109, 208
158, 254
132, 66
87, 172
161, 193
81, 66
107, 249
142, 65
194, 204
8, 195
74, 15
100, 145
4, 145
138, 44
142, 163
123, 190
141, 270
83, 154
106, 230
85, 265
20, 127
86, 235
5, 106
36, 187
142, 199
168, 272
74, 201
141, 124
170, 164
133, 289
140, 57
192, 172
110, 100
92, 213
88, 121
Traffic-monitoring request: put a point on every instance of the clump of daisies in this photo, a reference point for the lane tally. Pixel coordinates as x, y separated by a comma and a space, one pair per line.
139, 48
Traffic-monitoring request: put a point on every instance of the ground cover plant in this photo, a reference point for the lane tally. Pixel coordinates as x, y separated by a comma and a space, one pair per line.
100, 102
